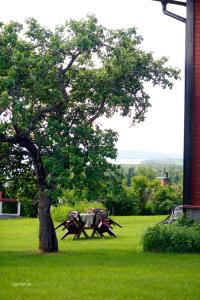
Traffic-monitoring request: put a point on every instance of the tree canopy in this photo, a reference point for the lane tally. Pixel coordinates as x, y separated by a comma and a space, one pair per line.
54, 85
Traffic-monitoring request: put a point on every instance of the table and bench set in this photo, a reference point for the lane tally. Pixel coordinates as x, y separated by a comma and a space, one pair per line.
97, 219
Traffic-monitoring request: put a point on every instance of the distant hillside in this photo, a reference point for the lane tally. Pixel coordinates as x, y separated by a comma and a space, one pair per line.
172, 161
148, 156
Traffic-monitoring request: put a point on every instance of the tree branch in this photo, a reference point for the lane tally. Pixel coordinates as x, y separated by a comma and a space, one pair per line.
8, 139
38, 115
98, 113
74, 57
14, 152
16, 128
22, 140
13, 179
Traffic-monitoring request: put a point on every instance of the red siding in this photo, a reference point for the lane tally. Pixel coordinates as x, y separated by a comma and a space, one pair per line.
196, 109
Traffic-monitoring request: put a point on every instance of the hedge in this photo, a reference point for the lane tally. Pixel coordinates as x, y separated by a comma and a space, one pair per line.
177, 237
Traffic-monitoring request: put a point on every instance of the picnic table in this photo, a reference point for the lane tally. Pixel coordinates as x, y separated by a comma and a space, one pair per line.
77, 223
87, 218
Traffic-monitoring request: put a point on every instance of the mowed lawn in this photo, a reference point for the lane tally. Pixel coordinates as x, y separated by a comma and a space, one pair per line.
93, 269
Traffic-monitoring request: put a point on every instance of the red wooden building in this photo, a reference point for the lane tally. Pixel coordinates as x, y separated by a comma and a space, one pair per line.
164, 180
191, 183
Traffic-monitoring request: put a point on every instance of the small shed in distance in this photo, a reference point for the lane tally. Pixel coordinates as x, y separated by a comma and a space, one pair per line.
164, 180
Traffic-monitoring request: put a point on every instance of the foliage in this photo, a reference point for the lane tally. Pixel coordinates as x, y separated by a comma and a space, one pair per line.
177, 237
142, 195
151, 196
60, 212
53, 87
166, 198
25, 193
149, 208
28, 207
9, 207
116, 192
119, 198
122, 205
130, 174
145, 170
185, 221
72, 196
156, 238
154, 169
140, 186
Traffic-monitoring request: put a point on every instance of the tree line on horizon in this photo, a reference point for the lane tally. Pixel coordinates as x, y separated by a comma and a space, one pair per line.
130, 190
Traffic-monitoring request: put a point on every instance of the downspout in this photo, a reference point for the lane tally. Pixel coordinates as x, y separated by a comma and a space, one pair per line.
169, 13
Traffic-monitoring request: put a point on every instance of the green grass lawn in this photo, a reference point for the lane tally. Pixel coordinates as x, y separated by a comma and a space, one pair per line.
95, 269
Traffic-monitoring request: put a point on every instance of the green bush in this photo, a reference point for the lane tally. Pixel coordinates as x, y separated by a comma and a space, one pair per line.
156, 238
163, 208
122, 205
9, 207
149, 208
28, 207
60, 212
176, 237
185, 221
165, 199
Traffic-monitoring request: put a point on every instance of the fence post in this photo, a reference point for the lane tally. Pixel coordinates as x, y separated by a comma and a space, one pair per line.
18, 208
1, 207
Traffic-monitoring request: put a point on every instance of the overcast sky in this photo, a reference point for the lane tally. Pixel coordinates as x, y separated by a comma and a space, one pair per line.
163, 129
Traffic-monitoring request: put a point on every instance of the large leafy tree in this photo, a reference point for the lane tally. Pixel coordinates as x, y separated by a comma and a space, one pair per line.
54, 85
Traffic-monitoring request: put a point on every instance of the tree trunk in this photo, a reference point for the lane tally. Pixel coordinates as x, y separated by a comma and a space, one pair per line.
142, 205
47, 236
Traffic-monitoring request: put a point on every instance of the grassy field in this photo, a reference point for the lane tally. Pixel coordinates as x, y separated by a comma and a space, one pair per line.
107, 268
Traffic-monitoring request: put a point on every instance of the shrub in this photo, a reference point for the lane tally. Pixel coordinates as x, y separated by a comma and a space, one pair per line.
156, 238
163, 208
185, 221
176, 237
122, 205
28, 207
9, 207
165, 199
60, 212
149, 208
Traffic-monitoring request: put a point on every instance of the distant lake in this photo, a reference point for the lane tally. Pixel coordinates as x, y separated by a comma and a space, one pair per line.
128, 161
137, 157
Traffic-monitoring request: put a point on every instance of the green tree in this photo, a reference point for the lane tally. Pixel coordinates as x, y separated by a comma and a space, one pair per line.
140, 185
54, 85
145, 170
120, 199
130, 174
166, 198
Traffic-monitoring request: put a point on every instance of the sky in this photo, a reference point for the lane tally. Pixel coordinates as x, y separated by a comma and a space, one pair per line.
162, 131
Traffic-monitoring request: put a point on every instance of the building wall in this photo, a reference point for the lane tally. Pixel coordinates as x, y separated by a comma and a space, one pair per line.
196, 109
